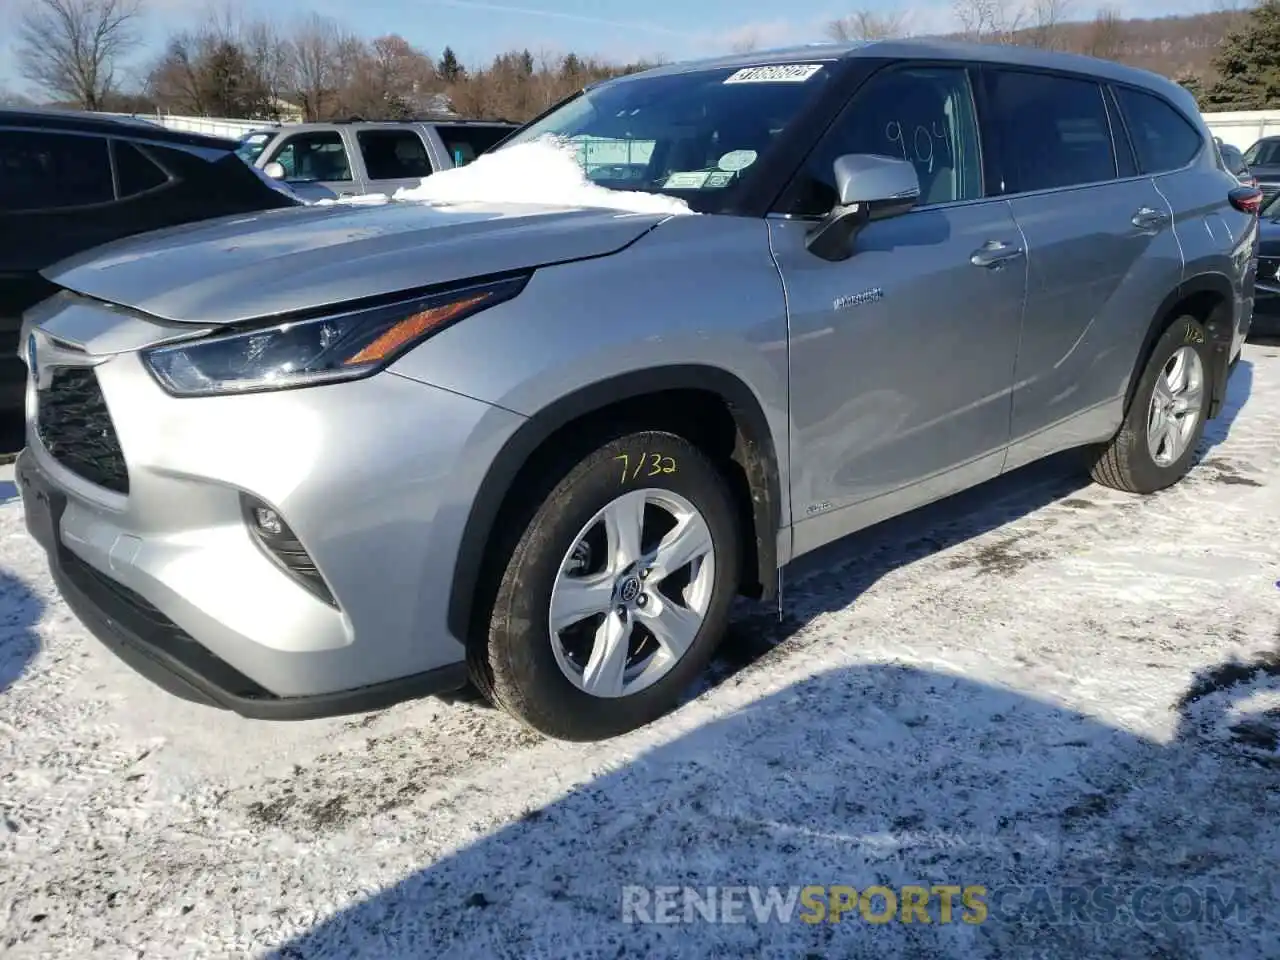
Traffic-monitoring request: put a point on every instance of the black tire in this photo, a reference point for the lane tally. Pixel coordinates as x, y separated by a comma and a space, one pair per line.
517, 666
1126, 462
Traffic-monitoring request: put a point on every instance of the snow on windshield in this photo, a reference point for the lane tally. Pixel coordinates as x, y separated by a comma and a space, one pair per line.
543, 171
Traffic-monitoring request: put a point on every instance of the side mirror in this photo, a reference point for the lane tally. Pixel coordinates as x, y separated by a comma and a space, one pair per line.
869, 187
274, 170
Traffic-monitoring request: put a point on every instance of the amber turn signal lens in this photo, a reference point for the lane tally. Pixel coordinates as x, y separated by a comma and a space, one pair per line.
412, 327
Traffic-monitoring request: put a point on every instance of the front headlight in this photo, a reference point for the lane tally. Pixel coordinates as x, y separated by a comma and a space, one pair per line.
302, 352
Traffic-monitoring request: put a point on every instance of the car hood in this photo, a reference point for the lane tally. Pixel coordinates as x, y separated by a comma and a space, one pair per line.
281, 261
1268, 172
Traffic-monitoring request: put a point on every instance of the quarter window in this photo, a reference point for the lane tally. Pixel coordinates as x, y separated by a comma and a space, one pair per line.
924, 115
135, 172
312, 157
47, 171
1053, 131
464, 144
393, 154
1162, 137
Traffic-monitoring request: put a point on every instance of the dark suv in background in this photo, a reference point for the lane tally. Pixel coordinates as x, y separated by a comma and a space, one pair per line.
70, 181
1263, 159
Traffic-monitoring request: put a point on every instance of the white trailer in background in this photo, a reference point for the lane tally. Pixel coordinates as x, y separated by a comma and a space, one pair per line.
1242, 128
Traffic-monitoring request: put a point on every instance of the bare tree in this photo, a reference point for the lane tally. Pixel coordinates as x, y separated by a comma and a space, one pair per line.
989, 21
869, 25
1106, 37
317, 46
272, 57
73, 48
1046, 19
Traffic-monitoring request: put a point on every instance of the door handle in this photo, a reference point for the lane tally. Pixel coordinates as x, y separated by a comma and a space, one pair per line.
1145, 218
994, 254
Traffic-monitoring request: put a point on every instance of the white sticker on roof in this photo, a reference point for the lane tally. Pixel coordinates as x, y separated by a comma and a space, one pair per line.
775, 73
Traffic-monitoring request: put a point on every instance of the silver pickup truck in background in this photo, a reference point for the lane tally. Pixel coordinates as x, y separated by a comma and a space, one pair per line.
337, 159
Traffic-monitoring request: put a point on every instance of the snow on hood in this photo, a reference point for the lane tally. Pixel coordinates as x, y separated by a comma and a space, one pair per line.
543, 171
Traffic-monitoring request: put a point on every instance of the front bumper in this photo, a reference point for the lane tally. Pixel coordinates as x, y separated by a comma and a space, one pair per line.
375, 477
160, 650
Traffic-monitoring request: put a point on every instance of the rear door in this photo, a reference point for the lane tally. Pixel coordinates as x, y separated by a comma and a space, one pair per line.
316, 164
1217, 240
393, 157
1102, 253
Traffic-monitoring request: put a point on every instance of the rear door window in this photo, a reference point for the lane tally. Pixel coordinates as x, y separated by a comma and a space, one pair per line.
1162, 137
393, 154
1054, 130
135, 172
318, 156
49, 171
465, 143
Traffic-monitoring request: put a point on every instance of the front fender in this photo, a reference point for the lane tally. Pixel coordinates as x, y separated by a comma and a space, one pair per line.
696, 304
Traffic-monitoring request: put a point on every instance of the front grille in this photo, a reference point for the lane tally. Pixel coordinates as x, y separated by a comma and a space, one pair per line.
75, 427
1269, 192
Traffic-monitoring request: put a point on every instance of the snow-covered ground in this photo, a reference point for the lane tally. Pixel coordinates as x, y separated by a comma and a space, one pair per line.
1044, 684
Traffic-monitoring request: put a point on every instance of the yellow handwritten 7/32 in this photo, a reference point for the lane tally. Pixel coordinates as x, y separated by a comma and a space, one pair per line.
655, 463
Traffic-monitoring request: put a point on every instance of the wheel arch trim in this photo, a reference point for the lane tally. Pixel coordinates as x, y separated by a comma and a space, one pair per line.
1219, 335
759, 461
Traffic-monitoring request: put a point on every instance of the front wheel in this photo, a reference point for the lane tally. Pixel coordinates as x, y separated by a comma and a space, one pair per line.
1165, 422
618, 592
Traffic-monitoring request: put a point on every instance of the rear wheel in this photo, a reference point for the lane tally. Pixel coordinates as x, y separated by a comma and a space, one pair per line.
1165, 422
617, 593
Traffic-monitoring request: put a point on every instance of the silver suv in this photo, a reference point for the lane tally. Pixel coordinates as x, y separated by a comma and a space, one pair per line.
316, 461
323, 161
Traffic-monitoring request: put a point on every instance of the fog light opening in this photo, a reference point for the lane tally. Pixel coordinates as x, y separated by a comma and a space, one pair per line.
282, 547
268, 521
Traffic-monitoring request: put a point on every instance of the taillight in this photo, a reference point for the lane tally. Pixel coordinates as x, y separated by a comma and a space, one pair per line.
1246, 199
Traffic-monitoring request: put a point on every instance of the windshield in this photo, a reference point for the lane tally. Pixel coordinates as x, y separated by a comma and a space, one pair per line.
692, 135
251, 145
1264, 153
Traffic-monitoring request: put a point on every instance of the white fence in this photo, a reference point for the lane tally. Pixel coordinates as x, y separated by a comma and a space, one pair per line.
210, 126
1241, 128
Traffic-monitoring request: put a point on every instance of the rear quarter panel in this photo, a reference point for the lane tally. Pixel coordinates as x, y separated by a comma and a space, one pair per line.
1218, 242
694, 290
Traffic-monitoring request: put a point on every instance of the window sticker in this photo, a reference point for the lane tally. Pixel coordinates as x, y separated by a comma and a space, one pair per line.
737, 160
720, 178
687, 180
775, 73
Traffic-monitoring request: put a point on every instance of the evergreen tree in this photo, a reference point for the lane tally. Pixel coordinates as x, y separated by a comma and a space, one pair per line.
571, 68
1248, 64
1194, 85
450, 69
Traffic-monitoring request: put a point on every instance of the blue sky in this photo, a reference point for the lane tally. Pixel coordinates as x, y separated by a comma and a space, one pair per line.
616, 29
